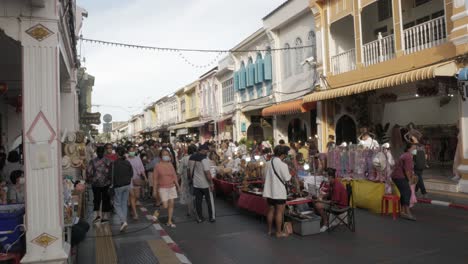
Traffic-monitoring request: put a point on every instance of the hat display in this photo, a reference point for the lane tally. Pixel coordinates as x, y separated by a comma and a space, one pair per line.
386, 145
76, 162
66, 162
71, 137
80, 137
70, 150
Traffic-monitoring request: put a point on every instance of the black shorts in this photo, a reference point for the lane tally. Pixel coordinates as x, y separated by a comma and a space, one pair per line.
273, 202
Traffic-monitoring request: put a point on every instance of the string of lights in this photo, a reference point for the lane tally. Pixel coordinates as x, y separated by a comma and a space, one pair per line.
171, 49
211, 63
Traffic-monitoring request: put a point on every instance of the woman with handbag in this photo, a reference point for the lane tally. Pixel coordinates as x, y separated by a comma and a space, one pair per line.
138, 179
275, 190
166, 183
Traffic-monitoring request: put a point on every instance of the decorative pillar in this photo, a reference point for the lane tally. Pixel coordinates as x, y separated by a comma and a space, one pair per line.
42, 146
398, 28
357, 33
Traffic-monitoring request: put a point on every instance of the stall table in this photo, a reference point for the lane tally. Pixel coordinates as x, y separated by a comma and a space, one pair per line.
227, 188
254, 202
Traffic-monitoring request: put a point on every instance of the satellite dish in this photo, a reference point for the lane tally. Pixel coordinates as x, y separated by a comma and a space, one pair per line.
107, 118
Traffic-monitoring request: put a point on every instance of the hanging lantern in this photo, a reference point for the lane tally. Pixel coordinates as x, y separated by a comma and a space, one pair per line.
19, 104
3, 88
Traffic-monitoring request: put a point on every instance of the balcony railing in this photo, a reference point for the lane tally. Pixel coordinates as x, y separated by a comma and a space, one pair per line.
379, 50
344, 62
425, 35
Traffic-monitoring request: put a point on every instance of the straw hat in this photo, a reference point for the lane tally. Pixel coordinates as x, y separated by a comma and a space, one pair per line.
80, 137
66, 162
71, 137
70, 149
76, 162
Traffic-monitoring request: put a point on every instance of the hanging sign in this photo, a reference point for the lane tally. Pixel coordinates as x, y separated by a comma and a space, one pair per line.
91, 118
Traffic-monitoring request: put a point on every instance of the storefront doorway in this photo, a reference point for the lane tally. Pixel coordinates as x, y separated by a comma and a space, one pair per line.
255, 132
346, 130
297, 131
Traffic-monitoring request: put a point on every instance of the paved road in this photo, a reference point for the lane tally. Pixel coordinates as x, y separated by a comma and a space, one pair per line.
439, 236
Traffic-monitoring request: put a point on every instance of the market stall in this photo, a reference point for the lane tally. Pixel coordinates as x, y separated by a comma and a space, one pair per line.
253, 201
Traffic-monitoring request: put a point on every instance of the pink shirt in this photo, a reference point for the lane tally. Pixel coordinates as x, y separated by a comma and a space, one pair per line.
165, 174
404, 164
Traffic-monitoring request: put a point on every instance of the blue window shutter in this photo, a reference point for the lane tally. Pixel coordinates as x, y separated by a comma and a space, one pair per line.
268, 67
250, 75
259, 88
236, 81
268, 88
242, 78
259, 76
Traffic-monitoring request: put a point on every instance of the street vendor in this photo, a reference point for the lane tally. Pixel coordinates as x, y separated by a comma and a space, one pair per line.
332, 193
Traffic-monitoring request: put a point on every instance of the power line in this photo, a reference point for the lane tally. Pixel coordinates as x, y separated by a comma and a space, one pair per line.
172, 49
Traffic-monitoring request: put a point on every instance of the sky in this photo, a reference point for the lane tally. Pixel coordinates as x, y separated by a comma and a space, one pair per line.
127, 80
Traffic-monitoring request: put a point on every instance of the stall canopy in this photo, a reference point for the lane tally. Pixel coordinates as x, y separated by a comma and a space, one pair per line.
187, 125
289, 108
448, 69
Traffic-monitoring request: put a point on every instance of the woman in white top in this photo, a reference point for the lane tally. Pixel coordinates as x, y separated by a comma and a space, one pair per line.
276, 176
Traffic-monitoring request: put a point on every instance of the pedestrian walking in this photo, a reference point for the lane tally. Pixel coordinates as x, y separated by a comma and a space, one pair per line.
402, 175
166, 183
276, 176
419, 166
202, 182
186, 190
138, 179
98, 175
121, 174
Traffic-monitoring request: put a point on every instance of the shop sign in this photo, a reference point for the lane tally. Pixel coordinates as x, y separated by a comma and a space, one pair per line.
183, 131
94, 132
243, 127
107, 127
91, 118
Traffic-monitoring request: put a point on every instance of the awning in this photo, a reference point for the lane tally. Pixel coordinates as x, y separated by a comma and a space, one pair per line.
288, 108
224, 118
448, 69
188, 124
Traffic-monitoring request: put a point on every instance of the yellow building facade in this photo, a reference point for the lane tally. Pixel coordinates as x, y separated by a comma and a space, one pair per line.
394, 62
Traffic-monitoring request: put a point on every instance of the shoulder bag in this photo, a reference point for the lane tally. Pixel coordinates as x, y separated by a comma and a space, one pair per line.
279, 178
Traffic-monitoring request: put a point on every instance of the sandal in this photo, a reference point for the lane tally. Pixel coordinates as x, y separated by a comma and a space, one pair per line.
281, 235
171, 225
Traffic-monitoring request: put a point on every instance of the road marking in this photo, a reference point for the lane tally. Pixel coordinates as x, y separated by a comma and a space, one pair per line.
167, 239
183, 258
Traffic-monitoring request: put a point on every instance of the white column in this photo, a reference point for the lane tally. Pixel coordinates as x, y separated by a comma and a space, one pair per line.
463, 151
42, 148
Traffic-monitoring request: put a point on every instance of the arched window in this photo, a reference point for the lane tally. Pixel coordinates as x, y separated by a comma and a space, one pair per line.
287, 60
311, 41
299, 56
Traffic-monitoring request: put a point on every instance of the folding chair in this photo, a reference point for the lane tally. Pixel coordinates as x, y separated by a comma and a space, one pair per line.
344, 216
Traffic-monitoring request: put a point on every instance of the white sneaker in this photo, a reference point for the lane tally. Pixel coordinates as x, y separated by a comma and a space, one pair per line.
323, 229
123, 227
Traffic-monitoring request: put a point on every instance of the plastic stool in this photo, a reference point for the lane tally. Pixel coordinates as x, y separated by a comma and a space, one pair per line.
395, 205
16, 257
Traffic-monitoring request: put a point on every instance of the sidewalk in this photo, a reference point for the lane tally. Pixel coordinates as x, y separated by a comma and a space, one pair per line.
143, 242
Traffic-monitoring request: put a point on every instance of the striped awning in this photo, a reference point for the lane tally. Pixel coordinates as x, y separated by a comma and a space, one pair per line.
441, 69
288, 108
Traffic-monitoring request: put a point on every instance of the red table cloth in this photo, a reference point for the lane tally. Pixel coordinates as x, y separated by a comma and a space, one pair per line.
257, 204
227, 188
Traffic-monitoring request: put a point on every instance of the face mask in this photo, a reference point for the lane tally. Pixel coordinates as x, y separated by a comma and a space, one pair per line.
21, 180
131, 154
414, 152
166, 158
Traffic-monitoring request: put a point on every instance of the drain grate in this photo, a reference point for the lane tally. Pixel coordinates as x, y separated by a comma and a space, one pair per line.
134, 253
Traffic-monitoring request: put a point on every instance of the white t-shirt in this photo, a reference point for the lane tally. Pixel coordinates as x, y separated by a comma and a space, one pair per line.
369, 143
199, 178
273, 187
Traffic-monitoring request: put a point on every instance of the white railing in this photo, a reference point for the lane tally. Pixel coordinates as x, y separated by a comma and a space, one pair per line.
425, 35
379, 50
344, 62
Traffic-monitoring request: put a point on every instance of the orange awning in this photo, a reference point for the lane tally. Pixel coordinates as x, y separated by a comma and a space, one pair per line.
289, 108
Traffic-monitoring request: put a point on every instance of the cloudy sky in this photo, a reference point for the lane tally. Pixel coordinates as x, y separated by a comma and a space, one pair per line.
129, 79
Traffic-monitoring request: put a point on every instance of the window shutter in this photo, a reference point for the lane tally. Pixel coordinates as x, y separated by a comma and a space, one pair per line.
236, 81
260, 71
242, 78
250, 75
269, 88
268, 68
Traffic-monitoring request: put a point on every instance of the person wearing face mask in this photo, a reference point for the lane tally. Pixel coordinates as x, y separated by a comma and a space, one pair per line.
166, 183
276, 176
16, 189
138, 179
402, 175
99, 177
